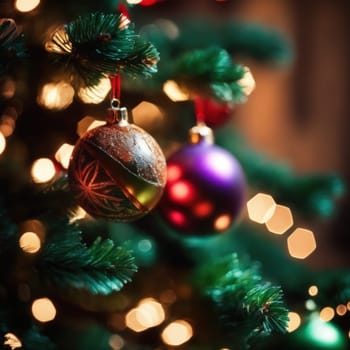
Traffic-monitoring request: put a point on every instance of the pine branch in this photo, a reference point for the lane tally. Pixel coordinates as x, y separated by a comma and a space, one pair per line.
11, 43
97, 45
247, 307
210, 72
101, 268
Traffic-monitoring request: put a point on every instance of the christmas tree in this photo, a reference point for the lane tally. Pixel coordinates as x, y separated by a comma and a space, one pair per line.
135, 213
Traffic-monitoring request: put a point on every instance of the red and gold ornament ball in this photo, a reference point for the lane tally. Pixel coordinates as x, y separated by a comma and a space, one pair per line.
117, 171
205, 190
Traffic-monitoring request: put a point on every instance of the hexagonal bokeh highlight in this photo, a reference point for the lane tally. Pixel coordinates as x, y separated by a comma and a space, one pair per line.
301, 243
261, 208
280, 221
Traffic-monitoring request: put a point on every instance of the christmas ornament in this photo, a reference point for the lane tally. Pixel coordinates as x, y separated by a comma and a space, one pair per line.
213, 113
117, 171
205, 188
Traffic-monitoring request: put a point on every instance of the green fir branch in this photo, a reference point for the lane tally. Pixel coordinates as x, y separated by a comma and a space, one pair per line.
210, 72
97, 45
11, 43
247, 307
66, 261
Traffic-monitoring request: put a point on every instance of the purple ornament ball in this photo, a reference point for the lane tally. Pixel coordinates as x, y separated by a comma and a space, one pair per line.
205, 189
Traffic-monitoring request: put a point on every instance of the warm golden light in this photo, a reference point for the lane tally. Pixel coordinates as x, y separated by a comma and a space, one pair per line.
116, 342
147, 114
301, 243
43, 310
56, 96
2, 143
132, 322
7, 125
95, 94
341, 310
348, 305
280, 221
63, 154
30, 242
26, 5
247, 83
174, 92
177, 333
313, 291
150, 313
294, 321
327, 314
222, 222
12, 341
43, 170
78, 214
261, 208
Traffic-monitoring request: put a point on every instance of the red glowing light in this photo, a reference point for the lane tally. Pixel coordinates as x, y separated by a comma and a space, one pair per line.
181, 191
177, 218
174, 172
148, 2
203, 209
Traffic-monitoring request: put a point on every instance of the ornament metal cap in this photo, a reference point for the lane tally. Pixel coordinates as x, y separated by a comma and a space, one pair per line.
118, 115
201, 133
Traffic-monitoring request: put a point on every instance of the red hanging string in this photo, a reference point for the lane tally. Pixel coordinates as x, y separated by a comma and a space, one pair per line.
115, 86
123, 9
199, 107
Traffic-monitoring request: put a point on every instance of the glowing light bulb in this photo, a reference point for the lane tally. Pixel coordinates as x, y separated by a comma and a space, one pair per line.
177, 333
294, 321
2, 143
261, 208
63, 154
43, 170
30, 242
43, 310
26, 5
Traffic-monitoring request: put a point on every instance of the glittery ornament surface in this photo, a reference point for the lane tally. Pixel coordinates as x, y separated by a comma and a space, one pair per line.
117, 172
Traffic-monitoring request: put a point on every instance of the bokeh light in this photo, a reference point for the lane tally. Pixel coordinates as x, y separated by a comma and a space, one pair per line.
148, 313
63, 154
327, 314
261, 208
222, 222
43, 170
26, 5
12, 341
95, 94
56, 96
88, 123
313, 291
341, 310
301, 243
116, 342
147, 115
30, 242
2, 143
43, 310
294, 321
310, 305
247, 83
280, 221
174, 92
177, 333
